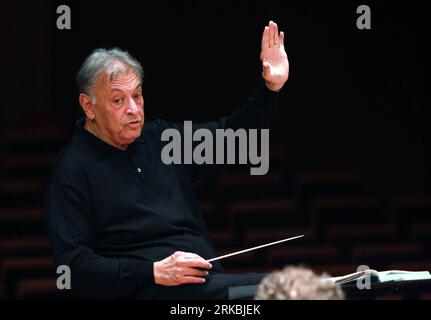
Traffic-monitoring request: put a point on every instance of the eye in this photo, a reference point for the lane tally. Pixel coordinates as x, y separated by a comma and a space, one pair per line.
138, 96
118, 101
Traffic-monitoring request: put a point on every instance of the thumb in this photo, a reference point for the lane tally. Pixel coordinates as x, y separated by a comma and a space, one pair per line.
265, 73
266, 70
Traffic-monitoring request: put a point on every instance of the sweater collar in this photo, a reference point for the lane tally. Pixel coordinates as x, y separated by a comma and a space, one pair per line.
93, 145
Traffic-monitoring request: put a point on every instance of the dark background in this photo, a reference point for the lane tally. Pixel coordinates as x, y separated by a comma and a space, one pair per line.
355, 107
355, 98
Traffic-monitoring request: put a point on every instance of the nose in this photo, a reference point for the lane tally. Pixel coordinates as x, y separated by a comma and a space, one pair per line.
132, 107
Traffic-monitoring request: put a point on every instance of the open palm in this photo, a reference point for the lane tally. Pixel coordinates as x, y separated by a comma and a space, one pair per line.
275, 64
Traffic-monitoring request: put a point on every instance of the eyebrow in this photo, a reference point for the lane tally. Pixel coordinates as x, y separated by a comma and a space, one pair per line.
120, 90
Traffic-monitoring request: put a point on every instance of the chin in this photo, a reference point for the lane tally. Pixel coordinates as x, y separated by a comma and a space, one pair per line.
132, 136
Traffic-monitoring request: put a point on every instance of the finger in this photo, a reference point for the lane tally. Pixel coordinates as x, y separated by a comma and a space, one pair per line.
188, 279
178, 254
194, 272
189, 256
271, 34
282, 38
194, 263
194, 256
265, 38
276, 39
197, 256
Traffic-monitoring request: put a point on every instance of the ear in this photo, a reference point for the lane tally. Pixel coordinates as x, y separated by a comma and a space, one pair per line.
86, 105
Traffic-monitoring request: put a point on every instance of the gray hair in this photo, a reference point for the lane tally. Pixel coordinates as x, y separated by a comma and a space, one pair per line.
105, 60
298, 283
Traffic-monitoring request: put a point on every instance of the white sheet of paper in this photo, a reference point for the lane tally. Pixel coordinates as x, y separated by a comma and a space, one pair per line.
254, 248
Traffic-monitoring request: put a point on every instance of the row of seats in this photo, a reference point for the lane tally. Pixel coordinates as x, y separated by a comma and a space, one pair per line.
23, 258
344, 225
35, 277
330, 220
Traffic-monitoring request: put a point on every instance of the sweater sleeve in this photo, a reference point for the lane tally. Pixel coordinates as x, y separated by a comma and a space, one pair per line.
257, 113
72, 233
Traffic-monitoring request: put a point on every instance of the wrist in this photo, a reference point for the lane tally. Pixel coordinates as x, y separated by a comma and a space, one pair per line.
156, 272
274, 88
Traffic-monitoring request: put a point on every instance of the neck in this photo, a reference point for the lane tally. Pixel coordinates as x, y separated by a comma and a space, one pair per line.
93, 129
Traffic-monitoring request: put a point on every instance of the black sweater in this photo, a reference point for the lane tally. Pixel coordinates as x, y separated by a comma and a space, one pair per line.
112, 213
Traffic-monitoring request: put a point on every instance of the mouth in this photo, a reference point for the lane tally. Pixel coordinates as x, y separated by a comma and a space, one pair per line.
134, 124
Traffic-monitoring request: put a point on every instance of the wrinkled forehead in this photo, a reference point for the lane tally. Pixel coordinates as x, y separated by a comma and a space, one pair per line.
119, 76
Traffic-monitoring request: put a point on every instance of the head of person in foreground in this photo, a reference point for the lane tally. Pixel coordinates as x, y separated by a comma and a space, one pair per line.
298, 283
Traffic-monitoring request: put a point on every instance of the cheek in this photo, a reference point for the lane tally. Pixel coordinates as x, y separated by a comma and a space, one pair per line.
108, 120
115, 124
141, 109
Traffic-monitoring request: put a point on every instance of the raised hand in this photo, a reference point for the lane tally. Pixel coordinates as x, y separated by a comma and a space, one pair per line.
275, 64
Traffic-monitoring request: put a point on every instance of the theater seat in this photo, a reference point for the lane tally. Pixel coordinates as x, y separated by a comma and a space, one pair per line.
409, 210
381, 254
37, 289
215, 216
327, 182
14, 269
352, 233
234, 186
16, 192
222, 238
28, 246
421, 231
237, 261
259, 236
267, 212
410, 265
327, 212
309, 254
22, 221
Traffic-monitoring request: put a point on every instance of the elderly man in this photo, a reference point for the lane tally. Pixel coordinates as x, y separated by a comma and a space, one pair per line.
127, 225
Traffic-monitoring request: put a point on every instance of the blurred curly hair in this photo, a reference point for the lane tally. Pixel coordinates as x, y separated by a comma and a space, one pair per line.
298, 283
